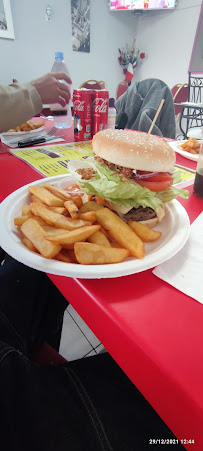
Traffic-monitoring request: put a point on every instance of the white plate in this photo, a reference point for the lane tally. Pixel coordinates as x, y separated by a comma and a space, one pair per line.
175, 229
11, 138
9, 135
176, 146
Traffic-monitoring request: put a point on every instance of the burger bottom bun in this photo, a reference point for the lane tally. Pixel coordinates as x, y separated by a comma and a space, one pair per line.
160, 212
150, 222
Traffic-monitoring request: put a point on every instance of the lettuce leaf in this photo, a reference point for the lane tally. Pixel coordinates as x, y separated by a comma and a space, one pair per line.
111, 186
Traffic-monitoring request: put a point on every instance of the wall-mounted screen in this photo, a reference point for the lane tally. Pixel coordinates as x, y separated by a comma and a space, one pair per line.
141, 4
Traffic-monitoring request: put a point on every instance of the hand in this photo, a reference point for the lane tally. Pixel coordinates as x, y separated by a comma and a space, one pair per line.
51, 90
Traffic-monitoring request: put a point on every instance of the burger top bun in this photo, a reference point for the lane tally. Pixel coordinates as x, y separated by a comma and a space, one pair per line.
135, 150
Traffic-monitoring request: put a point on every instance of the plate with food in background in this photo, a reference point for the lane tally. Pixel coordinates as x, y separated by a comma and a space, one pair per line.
188, 148
52, 226
26, 130
20, 130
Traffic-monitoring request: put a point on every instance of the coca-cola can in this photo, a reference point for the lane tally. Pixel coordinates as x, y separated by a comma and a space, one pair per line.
82, 102
100, 106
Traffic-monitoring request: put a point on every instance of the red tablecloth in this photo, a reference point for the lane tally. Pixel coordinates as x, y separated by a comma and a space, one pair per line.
152, 330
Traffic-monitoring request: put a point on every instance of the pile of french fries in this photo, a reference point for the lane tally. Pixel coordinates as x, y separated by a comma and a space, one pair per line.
26, 127
191, 146
58, 225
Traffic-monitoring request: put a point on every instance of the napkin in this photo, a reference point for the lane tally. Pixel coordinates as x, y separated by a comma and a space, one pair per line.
184, 271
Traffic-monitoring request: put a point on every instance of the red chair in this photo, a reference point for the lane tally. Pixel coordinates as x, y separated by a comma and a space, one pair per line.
103, 84
180, 94
93, 84
121, 89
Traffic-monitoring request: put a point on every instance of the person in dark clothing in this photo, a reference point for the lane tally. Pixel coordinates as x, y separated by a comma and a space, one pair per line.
84, 405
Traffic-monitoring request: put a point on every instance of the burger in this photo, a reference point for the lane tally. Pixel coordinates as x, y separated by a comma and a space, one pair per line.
131, 172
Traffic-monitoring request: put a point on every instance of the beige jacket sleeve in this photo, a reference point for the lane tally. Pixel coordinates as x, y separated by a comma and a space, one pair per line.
18, 104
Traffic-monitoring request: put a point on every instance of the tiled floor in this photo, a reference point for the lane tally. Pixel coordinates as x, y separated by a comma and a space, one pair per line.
77, 340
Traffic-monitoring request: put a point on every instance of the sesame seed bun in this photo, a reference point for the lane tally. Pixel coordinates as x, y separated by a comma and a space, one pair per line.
135, 150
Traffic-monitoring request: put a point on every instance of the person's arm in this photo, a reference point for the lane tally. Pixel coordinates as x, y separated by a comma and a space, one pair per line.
19, 103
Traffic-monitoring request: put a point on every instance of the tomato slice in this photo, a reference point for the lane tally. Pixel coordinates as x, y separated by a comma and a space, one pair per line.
155, 185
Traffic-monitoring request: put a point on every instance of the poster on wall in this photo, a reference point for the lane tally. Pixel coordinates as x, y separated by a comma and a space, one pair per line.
80, 15
6, 23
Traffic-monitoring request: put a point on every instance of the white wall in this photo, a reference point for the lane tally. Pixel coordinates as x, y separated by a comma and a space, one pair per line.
31, 54
166, 37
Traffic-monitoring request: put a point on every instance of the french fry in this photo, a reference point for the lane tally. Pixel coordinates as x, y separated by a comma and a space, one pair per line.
94, 254
25, 210
68, 246
108, 236
191, 150
55, 219
115, 244
71, 254
191, 146
35, 233
34, 198
31, 125
90, 206
72, 209
73, 236
58, 192
46, 197
20, 220
53, 230
88, 216
77, 199
145, 233
121, 232
27, 127
38, 124
29, 244
63, 258
61, 210
99, 238
40, 221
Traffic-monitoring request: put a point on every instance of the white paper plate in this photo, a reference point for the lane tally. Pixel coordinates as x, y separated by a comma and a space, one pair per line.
175, 229
10, 135
176, 146
11, 138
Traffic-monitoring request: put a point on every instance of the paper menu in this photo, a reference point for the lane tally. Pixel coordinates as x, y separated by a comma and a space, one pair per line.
187, 176
51, 160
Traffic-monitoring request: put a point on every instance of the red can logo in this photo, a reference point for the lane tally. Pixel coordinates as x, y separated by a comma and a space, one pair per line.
100, 106
82, 114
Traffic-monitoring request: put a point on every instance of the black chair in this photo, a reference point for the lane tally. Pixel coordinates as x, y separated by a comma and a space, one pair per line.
192, 115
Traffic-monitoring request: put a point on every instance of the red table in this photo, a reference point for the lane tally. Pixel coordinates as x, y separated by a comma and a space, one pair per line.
153, 331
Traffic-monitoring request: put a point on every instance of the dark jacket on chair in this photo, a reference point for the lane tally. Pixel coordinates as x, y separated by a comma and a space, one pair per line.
141, 101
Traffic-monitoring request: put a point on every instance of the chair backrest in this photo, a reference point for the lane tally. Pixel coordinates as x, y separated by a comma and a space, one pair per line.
180, 94
93, 84
121, 88
103, 84
195, 88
